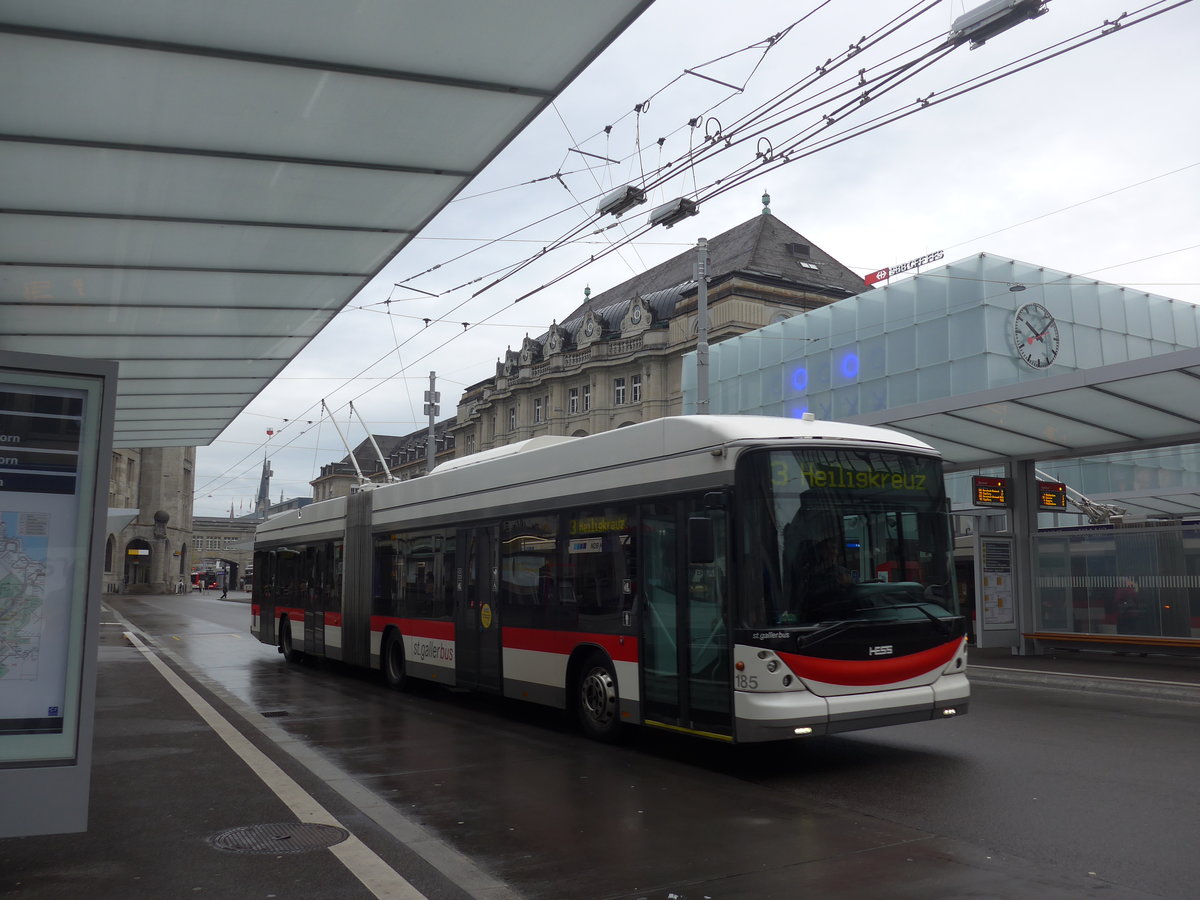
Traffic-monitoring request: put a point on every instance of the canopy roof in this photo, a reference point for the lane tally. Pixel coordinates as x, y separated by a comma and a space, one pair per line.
1130, 405
196, 189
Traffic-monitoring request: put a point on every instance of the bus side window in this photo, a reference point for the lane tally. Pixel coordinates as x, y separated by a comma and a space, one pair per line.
601, 557
445, 609
529, 570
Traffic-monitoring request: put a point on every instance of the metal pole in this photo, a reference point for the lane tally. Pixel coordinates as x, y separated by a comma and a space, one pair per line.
431, 407
702, 326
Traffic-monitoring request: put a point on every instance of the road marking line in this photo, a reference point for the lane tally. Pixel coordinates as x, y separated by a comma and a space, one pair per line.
376, 875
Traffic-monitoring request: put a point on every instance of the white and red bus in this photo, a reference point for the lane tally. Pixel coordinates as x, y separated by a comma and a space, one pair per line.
741, 578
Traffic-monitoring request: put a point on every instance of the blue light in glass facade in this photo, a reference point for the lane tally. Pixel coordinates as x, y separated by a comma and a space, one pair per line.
800, 379
797, 411
849, 365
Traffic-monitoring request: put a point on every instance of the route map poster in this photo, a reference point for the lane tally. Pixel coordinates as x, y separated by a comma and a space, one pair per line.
40, 475
57, 417
45, 519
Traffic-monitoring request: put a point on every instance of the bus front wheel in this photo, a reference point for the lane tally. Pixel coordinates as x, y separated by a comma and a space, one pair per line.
393, 662
596, 700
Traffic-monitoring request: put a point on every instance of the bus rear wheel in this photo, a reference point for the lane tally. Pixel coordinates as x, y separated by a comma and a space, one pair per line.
290, 653
596, 700
393, 662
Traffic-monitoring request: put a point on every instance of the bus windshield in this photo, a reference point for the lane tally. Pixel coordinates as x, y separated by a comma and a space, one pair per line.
833, 535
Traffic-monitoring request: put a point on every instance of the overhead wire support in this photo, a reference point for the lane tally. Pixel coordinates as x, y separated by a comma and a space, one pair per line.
585, 153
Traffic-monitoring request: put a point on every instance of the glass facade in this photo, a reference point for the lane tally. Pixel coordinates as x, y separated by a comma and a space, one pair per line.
952, 331
943, 333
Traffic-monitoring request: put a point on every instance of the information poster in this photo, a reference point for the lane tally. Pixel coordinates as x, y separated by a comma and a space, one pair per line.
56, 434
44, 525
996, 581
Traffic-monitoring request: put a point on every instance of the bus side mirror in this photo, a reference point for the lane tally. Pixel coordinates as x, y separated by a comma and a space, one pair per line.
701, 543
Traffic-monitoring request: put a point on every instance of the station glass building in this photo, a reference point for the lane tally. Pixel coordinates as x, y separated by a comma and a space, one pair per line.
987, 322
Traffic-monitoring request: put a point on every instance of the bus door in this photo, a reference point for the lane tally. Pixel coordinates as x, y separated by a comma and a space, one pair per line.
477, 617
685, 630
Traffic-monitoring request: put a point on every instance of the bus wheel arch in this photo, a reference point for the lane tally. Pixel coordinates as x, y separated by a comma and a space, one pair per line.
391, 660
597, 700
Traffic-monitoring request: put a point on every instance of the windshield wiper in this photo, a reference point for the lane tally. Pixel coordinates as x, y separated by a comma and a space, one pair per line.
942, 625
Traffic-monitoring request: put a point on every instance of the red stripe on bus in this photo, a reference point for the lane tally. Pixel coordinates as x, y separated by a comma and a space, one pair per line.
862, 672
425, 628
255, 609
622, 648
333, 619
290, 612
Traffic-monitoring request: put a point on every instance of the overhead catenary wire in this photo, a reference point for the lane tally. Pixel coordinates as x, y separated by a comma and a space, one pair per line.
721, 185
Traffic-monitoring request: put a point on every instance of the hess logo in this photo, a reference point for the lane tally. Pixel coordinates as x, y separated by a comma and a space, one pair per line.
880, 650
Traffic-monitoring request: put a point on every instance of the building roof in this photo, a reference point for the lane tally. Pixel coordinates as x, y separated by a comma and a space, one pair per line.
762, 247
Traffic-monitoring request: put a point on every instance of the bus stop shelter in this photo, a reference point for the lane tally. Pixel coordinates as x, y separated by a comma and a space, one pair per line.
194, 190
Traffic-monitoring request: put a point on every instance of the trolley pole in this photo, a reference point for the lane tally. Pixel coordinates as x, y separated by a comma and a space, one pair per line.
702, 326
431, 409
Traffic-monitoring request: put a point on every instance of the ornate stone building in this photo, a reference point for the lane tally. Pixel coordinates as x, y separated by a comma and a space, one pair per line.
148, 546
617, 358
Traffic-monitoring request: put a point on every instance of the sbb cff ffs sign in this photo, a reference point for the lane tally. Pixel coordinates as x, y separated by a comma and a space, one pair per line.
990, 491
885, 274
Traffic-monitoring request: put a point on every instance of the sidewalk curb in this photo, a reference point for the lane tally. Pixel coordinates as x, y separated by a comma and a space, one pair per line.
1181, 692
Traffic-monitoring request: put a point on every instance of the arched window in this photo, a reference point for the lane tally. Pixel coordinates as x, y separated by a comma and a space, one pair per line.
108, 552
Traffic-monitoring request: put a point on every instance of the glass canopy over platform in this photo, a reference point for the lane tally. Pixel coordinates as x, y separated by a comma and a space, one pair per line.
196, 189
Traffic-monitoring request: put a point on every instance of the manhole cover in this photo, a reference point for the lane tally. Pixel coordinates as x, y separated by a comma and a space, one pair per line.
284, 837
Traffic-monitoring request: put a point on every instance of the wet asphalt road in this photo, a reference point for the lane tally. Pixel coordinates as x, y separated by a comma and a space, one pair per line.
1036, 793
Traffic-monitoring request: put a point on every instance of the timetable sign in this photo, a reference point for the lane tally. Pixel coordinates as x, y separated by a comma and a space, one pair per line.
990, 491
1052, 495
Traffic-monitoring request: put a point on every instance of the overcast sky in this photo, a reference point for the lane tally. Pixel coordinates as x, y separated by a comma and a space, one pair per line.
1088, 163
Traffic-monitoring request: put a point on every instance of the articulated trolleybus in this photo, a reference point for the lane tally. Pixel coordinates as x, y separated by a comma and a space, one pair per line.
741, 578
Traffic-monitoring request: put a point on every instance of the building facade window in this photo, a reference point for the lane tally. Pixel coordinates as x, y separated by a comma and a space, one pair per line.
573, 400
512, 418
537, 410
197, 543
635, 388
587, 397
618, 391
